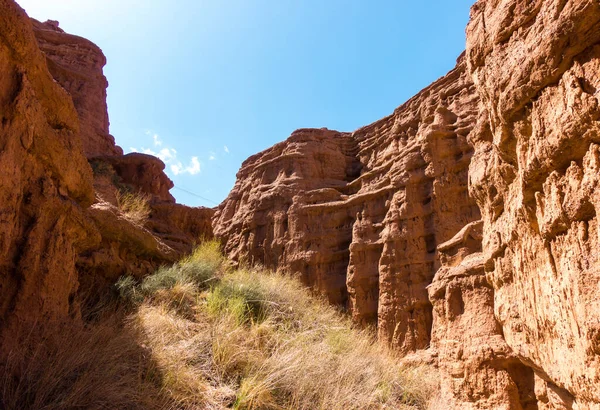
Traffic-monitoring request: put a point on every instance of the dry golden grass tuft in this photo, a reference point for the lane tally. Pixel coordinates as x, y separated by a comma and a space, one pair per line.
98, 367
214, 338
134, 206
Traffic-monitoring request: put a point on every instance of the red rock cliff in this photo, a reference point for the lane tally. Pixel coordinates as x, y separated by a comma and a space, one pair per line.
384, 220
62, 230
43, 226
76, 63
126, 247
535, 176
359, 215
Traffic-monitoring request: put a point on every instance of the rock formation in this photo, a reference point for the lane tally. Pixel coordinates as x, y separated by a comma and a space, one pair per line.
463, 226
76, 63
63, 235
144, 172
478, 370
535, 175
43, 226
125, 246
359, 215
383, 221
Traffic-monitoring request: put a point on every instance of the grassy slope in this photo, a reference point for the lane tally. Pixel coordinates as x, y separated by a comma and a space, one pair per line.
199, 335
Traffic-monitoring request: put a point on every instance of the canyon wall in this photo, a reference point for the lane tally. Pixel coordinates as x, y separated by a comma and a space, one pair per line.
126, 246
64, 236
535, 175
359, 215
76, 63
43, 226
464, 225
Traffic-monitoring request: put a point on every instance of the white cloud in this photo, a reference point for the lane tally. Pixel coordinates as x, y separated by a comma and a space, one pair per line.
193, 168
176, 168
226, 149
165, 154
212, 156
169, 157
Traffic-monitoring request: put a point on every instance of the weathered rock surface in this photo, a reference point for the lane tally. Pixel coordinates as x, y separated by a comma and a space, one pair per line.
62, 235
359, 215
129, 247
368, 218
43, 226
76, 63
535, 175
465, 223
282, 194
478, 370
145, 173
125, 247
179, 226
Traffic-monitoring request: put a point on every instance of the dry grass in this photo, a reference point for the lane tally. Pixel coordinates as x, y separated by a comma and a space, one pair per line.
101, 367
216, 338
134, 206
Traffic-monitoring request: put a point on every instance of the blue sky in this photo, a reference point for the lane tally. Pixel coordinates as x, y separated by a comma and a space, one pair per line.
207, 83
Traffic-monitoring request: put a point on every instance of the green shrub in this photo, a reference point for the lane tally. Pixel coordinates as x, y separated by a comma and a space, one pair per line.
127, 289
200, 269
244, 303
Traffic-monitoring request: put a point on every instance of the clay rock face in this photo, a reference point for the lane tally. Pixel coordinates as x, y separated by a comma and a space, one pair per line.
360, 215
42, 222
130, 246
145, 173
125, 246
478, 370
260, 221
62, 236
512, 314
76, 63
535, 176
179, 226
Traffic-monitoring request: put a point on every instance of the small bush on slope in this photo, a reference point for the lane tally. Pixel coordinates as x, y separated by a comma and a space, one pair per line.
202, 336
198, 269
134, 206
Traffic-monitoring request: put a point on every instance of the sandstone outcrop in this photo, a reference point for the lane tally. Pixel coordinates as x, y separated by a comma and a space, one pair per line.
128, 246
380, 220
63, 235
76, 63
463, 226
359, 215
125, 247
535, 175
478, 370
43, 226
145, 173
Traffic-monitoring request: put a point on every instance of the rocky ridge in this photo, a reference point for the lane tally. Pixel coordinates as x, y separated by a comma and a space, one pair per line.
359, 215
